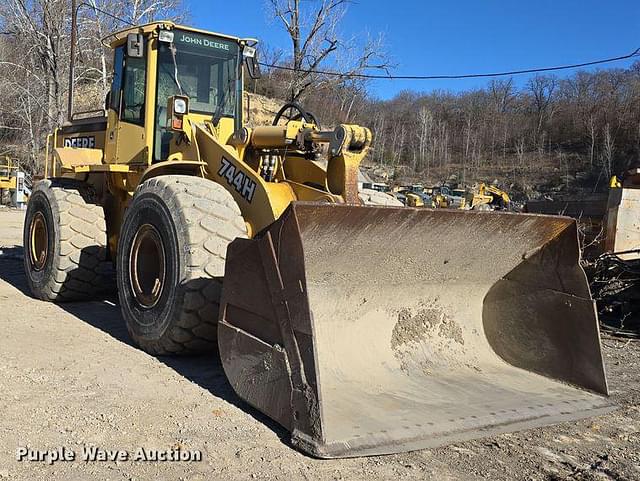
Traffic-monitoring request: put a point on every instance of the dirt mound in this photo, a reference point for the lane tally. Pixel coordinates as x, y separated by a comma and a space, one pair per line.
260, 110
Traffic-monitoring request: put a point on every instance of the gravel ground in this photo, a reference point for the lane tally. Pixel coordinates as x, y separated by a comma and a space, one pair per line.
70, 377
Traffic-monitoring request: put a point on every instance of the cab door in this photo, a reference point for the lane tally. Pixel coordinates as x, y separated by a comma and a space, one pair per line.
126, 142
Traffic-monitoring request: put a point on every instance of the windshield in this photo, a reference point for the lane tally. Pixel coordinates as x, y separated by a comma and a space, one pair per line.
207, 74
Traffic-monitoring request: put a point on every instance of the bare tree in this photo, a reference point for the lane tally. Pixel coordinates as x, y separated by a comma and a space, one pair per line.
502, 96
94, 59
32, 69
592, 138
315, 39
424, 134
608, 148
34, 63
542, 89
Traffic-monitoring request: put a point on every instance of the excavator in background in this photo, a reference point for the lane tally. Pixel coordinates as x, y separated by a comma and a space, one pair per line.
361, 329
488, 197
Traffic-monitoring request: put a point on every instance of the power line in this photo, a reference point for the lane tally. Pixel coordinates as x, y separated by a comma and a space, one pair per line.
104, 12
635, 53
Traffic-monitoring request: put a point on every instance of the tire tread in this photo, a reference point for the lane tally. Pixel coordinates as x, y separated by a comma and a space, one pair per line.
81, 269
211, 219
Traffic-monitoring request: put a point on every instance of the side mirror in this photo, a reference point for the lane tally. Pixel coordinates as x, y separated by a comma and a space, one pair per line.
135, 45
250, 55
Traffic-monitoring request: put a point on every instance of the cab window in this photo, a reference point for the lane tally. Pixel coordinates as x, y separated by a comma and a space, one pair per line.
116, 84
133, 90
203, 67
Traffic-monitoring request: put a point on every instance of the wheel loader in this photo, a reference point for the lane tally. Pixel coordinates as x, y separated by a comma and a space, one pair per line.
362, 330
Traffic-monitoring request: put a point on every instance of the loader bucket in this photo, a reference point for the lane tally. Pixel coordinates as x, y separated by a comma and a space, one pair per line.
373, 330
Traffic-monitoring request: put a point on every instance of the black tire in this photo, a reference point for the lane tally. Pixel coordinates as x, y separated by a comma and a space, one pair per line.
67, 259
171, 306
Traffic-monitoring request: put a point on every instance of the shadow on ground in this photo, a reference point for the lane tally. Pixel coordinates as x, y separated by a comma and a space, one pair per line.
204, 370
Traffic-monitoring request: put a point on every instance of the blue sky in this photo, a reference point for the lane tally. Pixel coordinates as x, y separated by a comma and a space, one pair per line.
461, 36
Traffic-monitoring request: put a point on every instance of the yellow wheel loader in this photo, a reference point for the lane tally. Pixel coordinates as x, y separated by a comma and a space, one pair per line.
413, 199
361, 329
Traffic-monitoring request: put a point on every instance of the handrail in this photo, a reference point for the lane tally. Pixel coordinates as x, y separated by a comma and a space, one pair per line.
55, 143
46, 156
75, 115
8, 166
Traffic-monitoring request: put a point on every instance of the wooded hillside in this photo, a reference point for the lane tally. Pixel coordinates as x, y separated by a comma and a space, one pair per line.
552, 129
566, 133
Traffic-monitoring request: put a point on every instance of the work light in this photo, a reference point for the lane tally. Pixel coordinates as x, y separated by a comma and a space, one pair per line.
165, 36
180, 106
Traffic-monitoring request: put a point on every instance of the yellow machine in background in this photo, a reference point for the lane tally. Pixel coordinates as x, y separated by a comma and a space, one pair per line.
414, 195
360, 329
15, 182
489, 197
413, 199
438, 199
623, 215
8, 177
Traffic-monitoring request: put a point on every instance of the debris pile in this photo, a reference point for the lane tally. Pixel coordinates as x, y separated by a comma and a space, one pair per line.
615, 285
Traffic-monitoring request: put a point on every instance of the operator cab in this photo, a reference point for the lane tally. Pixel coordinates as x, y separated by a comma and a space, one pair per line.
160, 61
201, 67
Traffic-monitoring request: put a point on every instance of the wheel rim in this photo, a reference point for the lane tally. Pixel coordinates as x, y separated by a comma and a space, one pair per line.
38, 241
147, 268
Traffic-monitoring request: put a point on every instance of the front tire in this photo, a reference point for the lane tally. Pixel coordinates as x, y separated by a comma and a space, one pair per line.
170, 262
65, 243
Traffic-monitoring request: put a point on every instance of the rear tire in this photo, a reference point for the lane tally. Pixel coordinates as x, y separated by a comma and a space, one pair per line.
170, 262
65, 243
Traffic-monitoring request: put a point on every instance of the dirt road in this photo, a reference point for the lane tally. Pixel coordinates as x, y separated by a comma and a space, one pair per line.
70, 378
